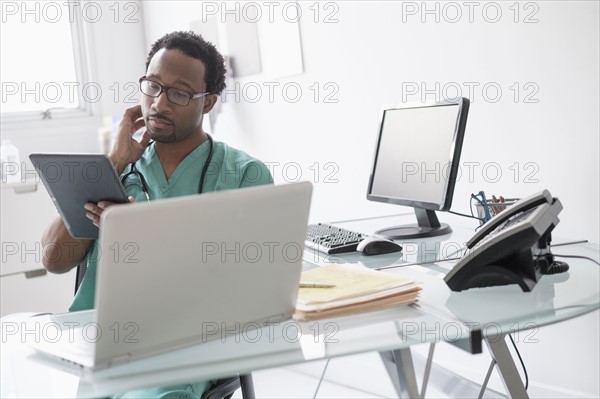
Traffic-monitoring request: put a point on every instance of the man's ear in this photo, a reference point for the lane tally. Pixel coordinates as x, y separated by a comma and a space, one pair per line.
209, 103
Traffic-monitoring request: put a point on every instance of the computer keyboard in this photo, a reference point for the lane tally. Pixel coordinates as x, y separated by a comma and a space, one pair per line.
331, 239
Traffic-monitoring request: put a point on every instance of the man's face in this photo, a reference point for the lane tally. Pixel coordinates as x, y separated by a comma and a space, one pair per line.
167, 122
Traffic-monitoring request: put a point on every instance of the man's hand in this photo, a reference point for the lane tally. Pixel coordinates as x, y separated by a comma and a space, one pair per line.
94, 211
126, 149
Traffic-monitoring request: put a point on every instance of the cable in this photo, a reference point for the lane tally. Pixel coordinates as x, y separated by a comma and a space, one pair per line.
521, 360
483, 204
471, 207
467, 216
577, 256
321, 379
458, 258
569, 243
471, 204
416, 263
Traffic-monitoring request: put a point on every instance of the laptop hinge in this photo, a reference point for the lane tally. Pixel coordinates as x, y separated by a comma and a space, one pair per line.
120, 359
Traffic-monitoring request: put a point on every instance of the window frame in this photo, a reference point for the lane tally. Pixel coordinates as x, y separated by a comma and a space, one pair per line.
85, 109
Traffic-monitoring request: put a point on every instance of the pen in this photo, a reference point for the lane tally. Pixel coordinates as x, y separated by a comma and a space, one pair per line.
495, 207
310, 284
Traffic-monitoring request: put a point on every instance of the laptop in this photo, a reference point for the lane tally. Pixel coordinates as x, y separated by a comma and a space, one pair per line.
178, 272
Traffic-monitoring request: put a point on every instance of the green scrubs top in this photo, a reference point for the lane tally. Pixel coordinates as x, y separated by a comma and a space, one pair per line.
228, 169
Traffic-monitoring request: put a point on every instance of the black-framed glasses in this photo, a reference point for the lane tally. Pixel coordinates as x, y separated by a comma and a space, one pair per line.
176, 96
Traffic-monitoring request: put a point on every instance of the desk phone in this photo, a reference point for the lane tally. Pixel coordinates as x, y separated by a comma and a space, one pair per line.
512, 248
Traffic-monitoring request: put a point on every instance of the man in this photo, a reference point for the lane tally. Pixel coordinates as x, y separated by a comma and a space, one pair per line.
174, 157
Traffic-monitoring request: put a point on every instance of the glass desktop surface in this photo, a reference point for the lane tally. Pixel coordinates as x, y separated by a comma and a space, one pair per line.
492, 309
273, 346
440, 315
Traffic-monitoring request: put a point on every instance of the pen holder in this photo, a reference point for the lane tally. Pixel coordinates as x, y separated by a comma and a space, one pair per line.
493, 207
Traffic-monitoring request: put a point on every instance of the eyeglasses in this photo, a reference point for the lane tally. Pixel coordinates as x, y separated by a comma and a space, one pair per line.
176, 96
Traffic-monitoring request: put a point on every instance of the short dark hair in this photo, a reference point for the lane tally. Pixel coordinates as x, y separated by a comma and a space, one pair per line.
194, 45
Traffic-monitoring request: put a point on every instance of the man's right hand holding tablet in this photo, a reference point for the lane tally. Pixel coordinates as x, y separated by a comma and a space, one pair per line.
62, 252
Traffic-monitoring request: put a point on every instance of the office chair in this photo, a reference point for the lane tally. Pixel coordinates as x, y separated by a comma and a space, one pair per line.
223, 388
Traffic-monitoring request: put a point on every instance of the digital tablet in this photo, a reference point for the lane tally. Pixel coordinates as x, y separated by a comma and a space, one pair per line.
72, 180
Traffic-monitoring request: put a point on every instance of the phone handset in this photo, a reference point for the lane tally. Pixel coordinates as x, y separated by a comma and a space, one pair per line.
524, 204
512, 248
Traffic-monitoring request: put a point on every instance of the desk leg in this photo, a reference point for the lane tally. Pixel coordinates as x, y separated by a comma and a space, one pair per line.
247, 385
400, 368
506, 367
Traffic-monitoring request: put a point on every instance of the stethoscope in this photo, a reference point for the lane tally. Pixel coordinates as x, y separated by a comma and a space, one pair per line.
133, 171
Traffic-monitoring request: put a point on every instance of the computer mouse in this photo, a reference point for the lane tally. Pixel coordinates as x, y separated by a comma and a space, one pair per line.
377, 246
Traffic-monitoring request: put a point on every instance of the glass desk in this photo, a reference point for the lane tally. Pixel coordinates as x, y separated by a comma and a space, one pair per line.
490, 313
466, 319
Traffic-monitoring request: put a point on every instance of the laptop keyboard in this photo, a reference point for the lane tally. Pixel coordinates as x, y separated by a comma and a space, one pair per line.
331, 239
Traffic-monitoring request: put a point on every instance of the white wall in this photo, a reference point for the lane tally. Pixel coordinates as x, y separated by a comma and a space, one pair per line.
372, 56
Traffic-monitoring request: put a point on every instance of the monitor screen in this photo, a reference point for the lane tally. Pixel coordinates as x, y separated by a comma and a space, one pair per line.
417, 155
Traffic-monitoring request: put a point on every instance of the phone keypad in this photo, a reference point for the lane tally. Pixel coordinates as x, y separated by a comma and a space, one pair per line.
511, 222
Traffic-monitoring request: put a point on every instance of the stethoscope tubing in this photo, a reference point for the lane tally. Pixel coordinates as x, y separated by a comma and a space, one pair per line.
133, 171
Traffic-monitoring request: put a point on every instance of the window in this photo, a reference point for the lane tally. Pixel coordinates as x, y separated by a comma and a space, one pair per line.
42, 64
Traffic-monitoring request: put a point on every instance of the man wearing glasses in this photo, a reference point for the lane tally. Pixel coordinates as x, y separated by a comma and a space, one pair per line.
174, 157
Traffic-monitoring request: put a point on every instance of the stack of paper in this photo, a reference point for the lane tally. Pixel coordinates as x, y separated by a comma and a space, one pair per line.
356, 290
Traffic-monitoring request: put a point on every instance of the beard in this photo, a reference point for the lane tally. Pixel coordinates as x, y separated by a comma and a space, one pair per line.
162, 137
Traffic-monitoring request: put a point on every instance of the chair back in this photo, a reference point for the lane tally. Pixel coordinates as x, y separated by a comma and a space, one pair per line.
81, 269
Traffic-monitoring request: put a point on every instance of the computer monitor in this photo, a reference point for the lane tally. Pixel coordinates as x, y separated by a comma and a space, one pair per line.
416, 163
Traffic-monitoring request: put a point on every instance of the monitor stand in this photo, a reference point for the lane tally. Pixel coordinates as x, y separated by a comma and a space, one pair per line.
428, 226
